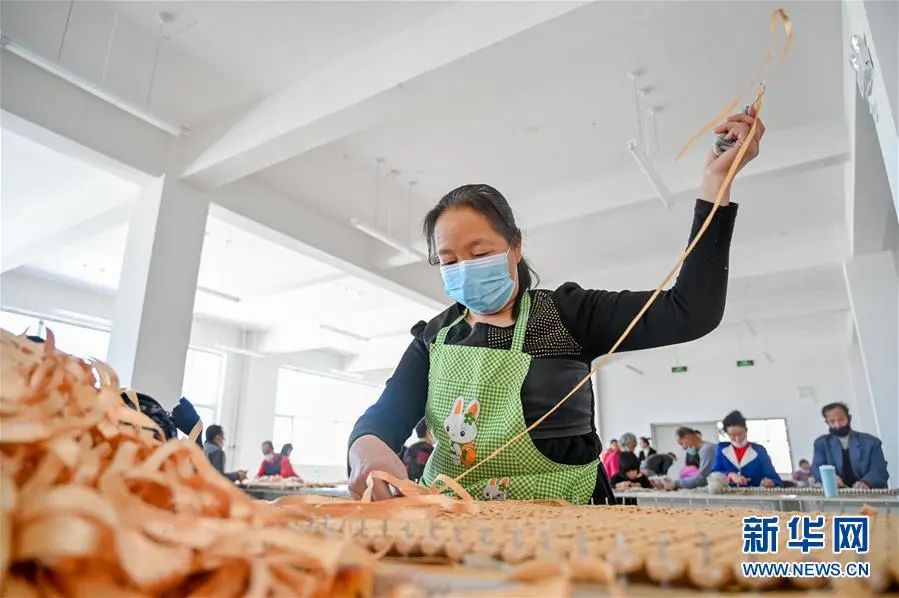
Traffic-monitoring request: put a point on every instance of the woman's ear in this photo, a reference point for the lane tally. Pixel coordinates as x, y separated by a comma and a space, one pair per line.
516, 251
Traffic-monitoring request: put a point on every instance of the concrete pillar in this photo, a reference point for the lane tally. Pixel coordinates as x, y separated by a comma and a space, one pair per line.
256, 412
872, 286
863, 417
154, 305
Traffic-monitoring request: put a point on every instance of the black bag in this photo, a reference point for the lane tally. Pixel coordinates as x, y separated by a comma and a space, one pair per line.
152, 409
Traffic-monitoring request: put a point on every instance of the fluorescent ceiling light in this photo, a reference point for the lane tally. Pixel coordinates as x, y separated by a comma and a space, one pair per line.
342, 376
337, 330
92, 88
239, 351
750, 328
349, 374
635, 369
387, 239
84, 317
219, 294
649, 169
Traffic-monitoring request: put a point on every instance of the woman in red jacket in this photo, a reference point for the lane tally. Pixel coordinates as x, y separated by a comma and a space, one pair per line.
286, 468
276, 464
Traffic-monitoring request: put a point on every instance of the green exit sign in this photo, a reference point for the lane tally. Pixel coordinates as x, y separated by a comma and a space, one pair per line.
745, 363
678, 369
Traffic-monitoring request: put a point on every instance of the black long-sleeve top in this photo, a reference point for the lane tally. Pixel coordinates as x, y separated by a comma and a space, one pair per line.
568, 327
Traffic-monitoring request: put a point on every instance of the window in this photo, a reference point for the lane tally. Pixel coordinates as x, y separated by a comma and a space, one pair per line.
771, 434
203, 369
283, 432
202, 385
316, 414
71, 338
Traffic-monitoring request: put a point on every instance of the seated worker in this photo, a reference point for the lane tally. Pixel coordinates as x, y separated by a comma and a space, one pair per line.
271, 463
744, 463
287, 470
698, 461
646, 449
609, 458
658, 464
629, 475
416, 455
215, 440
801, 475
856, 456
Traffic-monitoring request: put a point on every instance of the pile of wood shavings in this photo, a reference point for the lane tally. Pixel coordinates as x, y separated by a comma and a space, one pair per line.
700, 548
93, 504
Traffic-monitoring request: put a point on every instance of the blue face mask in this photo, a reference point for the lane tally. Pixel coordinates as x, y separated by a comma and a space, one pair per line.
483, 285
692, 450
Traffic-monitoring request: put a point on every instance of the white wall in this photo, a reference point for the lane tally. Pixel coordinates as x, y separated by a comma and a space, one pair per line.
629, 402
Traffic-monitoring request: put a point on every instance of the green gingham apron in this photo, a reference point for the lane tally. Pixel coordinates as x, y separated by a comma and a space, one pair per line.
474, 407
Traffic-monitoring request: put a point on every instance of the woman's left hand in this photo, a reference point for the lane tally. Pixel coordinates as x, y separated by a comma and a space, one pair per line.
768, 483
735, 128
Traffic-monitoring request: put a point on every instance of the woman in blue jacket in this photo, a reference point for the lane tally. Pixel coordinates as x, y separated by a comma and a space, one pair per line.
744, 463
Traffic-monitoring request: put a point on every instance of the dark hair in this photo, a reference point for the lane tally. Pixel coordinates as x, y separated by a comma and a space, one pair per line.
673, 456
421, 428
489, 202
286, 449
269, 443
801, 461
684, 431
615, 440
832, 406
213, 431
628, 462
734, 418
644, 439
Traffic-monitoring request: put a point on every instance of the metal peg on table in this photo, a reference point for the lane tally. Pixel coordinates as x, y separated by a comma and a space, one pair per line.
544, 536
581, 544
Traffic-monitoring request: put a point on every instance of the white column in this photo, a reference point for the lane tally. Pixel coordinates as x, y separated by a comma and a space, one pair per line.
872, 286
154, 305
863, 410
256, 413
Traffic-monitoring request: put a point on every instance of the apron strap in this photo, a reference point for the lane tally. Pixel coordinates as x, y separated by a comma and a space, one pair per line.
524, 310
521, 324
441, 335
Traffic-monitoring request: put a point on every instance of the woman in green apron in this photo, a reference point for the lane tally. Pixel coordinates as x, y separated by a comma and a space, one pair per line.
505, 353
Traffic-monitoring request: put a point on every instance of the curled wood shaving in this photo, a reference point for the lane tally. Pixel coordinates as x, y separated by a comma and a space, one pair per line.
93, 504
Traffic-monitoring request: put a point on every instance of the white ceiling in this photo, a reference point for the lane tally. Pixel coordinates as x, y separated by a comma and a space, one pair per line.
44, 190
543, 115
215, 57
553, 107
46, 194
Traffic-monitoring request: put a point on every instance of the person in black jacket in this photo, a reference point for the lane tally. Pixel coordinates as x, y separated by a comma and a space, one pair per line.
629, 474
658, 464
416, 455
646, 449
505, 353
215, 440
